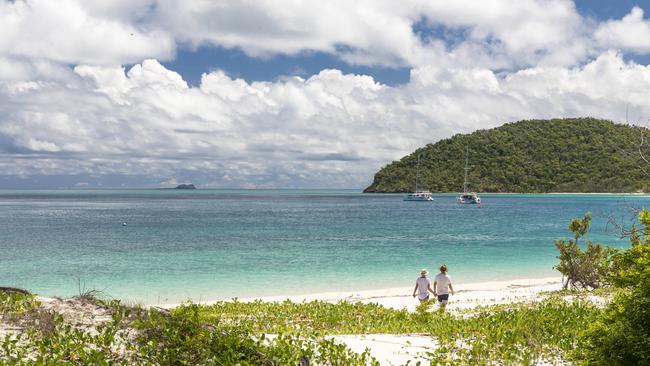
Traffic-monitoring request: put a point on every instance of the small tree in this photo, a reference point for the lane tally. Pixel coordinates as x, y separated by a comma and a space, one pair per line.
582, 269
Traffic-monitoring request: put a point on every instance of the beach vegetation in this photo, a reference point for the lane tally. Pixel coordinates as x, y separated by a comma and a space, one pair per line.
620, 335
515, 333
583, 269
136, 336
286, 333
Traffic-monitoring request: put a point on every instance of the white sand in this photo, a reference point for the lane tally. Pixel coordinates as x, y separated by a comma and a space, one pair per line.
391, 349
468, 295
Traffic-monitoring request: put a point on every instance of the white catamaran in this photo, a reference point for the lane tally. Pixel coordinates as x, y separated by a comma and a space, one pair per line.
468, 197
418, 195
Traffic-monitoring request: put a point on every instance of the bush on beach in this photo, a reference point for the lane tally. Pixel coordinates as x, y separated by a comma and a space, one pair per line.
621, 335
586, 269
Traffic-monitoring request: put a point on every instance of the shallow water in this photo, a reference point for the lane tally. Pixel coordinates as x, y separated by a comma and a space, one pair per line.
217, 244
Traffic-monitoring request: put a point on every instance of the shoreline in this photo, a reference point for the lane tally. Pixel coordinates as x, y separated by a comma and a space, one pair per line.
529, 193
467, 295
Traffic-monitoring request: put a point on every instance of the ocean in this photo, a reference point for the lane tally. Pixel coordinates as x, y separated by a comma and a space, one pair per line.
167, 246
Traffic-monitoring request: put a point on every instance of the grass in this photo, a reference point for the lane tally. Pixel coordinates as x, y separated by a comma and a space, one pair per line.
229, 333
518, 333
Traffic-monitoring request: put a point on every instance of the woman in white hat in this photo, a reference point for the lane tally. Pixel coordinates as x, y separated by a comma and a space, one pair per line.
423, 285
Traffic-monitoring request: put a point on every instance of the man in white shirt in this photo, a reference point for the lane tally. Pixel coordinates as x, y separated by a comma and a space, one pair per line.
442, 286
424, 286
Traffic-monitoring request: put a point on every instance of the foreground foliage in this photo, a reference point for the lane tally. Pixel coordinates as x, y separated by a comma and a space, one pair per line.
512, 334
230, 333
621, 335
559, 155
153, 337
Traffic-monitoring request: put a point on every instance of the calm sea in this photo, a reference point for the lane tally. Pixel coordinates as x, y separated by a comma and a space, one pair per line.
218, 244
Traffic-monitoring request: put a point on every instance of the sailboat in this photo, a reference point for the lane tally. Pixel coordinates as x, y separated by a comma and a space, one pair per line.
418, 195
468, 197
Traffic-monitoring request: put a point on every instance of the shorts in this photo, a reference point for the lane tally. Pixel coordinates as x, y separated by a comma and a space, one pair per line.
424, 299
444, 297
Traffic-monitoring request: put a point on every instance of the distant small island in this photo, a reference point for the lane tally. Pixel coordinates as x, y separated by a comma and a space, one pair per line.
185, 186
535, 156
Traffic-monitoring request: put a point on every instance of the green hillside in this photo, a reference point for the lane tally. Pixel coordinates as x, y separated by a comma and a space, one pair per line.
559, 155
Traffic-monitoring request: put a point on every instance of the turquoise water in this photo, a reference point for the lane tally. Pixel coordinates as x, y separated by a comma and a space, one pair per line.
217, 244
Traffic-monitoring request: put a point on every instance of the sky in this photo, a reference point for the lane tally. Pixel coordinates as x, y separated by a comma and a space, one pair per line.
294, 93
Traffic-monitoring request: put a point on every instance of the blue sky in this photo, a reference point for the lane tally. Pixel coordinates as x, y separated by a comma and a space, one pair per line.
285, 94
192, 62
607, 9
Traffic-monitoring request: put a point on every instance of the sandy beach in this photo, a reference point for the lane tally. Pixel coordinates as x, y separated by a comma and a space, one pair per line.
467, 295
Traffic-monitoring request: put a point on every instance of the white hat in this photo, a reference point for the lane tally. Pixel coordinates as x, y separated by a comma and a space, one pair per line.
424, 272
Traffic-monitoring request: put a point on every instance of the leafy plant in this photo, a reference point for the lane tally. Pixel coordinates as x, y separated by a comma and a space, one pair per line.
583, 269
621, 335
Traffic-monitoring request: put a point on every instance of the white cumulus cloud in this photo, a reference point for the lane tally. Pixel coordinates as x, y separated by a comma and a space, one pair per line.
630, 33
330, 130
64, 31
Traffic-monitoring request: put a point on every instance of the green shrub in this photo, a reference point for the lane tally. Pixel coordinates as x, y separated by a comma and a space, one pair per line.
183, 338
621, 335
521, 334
583, 269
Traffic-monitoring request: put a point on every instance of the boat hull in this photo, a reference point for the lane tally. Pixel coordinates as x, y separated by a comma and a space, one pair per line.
419, 197
468, 199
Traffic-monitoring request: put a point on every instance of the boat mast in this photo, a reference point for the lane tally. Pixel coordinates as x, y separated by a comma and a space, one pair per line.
466, 169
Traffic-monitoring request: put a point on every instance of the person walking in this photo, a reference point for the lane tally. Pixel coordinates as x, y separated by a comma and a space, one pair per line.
423, 286
442, 286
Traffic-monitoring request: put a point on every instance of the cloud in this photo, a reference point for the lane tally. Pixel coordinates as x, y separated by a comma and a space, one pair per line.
496, 34
381, 32
330, 130
64, 31
366, 32
630, 33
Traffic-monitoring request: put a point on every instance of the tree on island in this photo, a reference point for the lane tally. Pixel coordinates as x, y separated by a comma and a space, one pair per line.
533, 156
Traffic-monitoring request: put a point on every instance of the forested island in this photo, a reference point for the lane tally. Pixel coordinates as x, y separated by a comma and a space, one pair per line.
186, 186
532, 156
